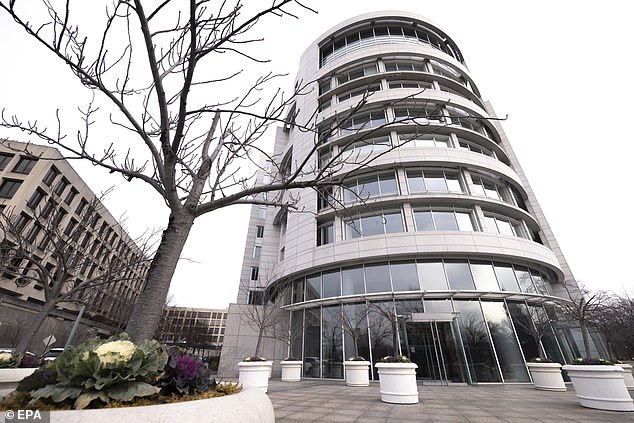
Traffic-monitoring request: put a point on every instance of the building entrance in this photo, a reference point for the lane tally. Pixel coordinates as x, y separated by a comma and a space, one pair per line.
433, 342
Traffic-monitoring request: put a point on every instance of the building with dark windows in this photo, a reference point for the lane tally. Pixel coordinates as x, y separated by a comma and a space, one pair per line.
40, 189
439, 224
199, 330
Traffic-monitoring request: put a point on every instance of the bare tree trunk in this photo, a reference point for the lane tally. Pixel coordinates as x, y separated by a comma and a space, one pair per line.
585, 337
147, 310
258, 345
32, 327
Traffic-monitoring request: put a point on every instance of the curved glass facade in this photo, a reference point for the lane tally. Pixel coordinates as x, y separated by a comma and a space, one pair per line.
428, 218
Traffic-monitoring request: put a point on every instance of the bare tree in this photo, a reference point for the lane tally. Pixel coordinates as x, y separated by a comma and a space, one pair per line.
64, 269
264, 313
536, 323
354, 321
616, 324
585, 307
160, 87
387, 312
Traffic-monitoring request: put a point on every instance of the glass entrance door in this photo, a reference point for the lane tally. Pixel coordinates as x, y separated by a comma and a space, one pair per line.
436, 347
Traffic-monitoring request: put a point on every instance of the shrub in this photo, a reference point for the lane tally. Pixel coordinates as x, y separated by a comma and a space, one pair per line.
592, 361
254, 358
357, 358
540, 360
395, 359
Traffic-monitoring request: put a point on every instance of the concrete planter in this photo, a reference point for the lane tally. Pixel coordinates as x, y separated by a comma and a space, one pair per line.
250, 405
255, 374
627, 375
357, 373
9, 379
291, 371
397, 382
547, 376
600, 387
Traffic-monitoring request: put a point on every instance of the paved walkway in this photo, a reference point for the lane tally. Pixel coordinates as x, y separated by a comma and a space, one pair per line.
333, 401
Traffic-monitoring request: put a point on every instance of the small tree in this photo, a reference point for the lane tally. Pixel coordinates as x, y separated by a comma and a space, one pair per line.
537, 324
387, 312
68, 278
585, 307
264, 313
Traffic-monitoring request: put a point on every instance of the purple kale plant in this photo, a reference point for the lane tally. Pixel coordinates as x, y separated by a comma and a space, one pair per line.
185, 374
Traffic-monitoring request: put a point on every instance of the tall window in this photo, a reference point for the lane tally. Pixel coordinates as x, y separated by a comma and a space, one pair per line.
377, 224
259, 231
36, 199
433, 180
325, 233
255, 271
5, 158
25, 165
9, 187
325, 198
50, 176
257, 251
370, 186
61, 186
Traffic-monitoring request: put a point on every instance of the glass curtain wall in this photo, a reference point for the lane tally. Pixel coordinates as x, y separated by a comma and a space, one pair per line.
332, 343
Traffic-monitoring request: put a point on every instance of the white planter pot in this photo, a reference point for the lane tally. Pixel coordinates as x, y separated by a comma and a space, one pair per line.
250, 405
357, 373
291, 371
9, 379
397, 382
627, 375
255, 374
600, 387
547, 376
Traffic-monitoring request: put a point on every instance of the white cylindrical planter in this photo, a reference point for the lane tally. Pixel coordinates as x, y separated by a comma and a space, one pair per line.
547, 376
9, 379
249, 406
397, 382
291, 371
627, 375
357, 373
601, 387
255, 374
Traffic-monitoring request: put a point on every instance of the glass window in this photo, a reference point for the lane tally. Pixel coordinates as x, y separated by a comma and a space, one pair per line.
352, 280
393, 223
61, 186
459, 275
262, 212
431, 275
254, 273
25, 165
325, 198
387, 222
524, 279
475, 335
445, 221
5, 158
539, 283
312, 342
355, 327
433, 180
313, 287
257, 251
506, 277
259, 231
524, 328
404, 277
332, 348
508, 352
50, 176
372, 186
71, 195
9, 187
464, 221
36, 199
298, 291
484, 276
424, 140
325, 234
297, 328
377, 278
424, 221
331, 284
372, 225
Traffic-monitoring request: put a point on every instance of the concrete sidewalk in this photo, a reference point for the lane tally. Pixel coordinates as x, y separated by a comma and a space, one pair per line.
333, 401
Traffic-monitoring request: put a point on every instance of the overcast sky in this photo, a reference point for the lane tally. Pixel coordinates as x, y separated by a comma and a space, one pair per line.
561, 70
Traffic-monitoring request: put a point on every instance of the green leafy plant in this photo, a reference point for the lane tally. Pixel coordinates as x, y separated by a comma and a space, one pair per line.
357, 358
591, 361
115, 369
395, 359
290, 358
9, 360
